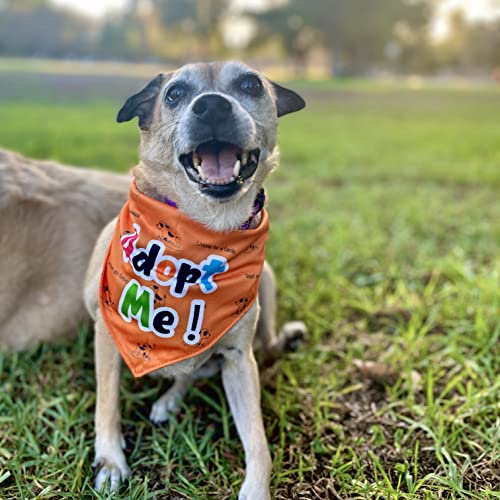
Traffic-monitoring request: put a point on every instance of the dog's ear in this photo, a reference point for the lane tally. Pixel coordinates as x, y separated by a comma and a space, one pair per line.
142, 103
287, 101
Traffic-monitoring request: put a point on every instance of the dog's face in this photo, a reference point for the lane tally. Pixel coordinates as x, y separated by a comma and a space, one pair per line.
209, 130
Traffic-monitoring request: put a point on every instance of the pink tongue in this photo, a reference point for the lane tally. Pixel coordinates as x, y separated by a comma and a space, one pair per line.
218, 166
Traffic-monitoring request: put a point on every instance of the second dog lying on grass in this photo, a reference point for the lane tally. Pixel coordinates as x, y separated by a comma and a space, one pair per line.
52, 215
184, 261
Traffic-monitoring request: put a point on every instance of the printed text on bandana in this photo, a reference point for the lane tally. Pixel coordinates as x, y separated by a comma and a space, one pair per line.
176, 276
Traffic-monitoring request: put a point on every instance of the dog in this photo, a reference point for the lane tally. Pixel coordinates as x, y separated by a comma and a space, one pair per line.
52, 215
208, 142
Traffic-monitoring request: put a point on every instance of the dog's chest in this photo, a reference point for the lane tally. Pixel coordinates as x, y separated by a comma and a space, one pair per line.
209, 362
188, 366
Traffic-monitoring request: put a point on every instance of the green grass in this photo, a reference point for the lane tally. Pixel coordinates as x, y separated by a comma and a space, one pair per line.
385, 235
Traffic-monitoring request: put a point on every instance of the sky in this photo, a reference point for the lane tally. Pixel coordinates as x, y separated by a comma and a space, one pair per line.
97, 8
474, 9
94, 8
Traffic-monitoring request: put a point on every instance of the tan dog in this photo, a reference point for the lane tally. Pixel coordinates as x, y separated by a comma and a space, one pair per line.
208, 143
51, 217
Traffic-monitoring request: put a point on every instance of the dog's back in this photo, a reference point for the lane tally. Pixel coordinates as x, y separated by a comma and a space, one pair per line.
51, 217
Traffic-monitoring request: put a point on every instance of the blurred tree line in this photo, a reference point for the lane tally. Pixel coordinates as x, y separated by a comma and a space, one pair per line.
357, 36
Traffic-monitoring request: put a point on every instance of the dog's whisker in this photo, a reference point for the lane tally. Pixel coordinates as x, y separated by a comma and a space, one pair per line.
167, 126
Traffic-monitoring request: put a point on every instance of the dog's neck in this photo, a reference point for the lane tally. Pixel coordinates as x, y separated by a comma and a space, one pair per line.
221, 217
250, 223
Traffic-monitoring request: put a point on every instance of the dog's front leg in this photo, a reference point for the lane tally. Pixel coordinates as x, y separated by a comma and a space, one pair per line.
241, 383
109, 457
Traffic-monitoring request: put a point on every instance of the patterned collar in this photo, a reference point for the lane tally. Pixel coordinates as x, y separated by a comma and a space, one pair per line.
258, 205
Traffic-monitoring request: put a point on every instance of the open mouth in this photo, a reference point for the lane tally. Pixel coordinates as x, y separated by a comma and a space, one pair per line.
220, 168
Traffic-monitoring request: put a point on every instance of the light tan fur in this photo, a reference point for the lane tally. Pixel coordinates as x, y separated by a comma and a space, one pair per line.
159, 174
51, 215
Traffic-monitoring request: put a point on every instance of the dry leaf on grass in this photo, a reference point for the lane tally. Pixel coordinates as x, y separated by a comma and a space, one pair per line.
376, 371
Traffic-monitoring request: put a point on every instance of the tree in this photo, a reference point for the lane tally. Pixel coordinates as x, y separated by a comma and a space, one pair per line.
35, 27
199, 22
297, 39
483, 45
470, 45
355, 31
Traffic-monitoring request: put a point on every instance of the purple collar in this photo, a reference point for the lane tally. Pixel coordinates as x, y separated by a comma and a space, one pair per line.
258, 205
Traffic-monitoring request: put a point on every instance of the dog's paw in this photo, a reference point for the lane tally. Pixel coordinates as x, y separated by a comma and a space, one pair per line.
164, 408
110, 473
292, 335
252, 492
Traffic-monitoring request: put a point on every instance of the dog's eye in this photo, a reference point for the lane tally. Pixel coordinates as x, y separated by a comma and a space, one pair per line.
251, 85
175, 93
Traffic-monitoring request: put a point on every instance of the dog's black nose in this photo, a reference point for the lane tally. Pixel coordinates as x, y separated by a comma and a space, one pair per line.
212, 108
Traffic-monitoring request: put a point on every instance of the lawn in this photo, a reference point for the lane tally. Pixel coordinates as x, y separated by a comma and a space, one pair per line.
385, 239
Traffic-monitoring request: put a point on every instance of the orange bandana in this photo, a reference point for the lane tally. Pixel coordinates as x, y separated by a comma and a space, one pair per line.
171, 287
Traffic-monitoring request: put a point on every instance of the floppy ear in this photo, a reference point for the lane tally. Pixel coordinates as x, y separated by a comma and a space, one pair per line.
142, 103
287, 101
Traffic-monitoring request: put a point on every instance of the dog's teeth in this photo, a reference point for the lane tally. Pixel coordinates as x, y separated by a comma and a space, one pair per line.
202, 175
196, 161
244, 159
236, 169
221, 182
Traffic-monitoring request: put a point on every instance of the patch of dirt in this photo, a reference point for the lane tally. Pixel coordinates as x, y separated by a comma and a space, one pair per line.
351, 429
